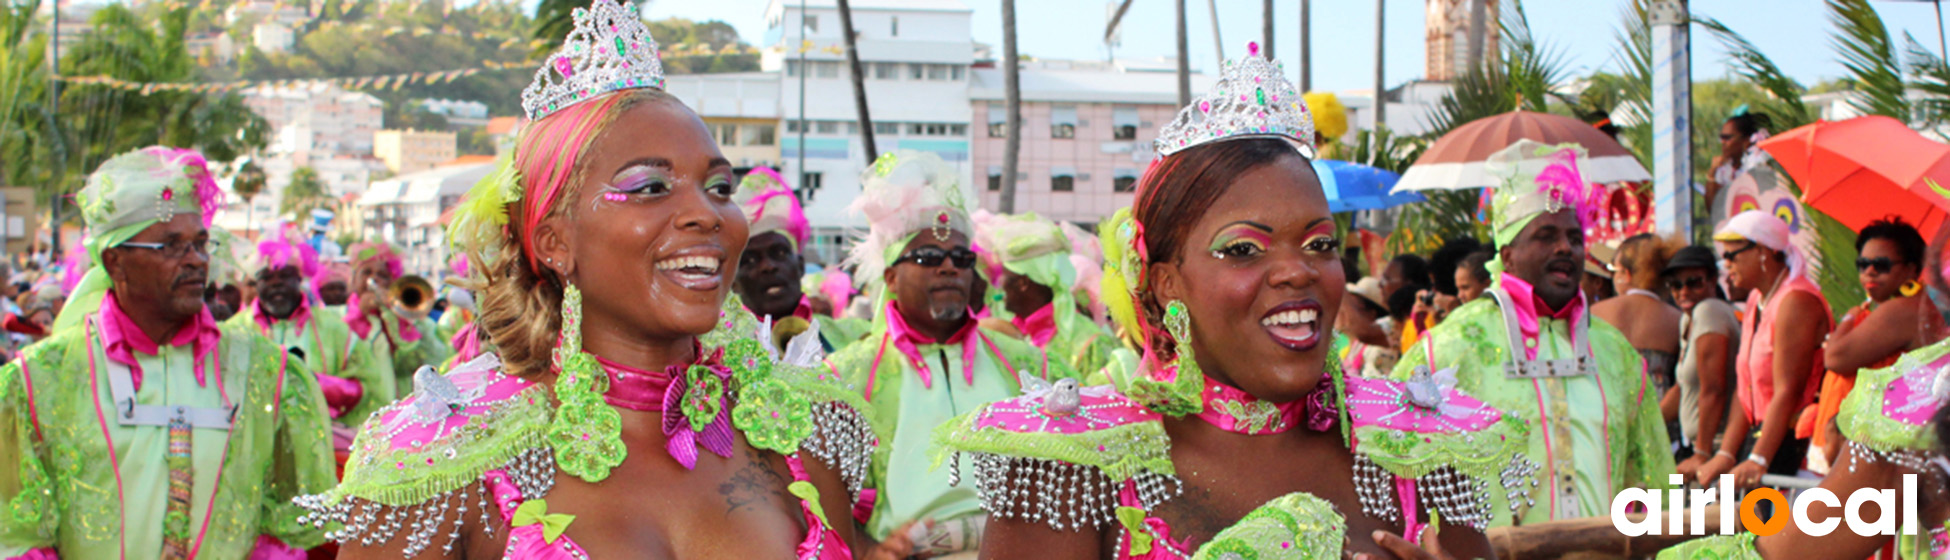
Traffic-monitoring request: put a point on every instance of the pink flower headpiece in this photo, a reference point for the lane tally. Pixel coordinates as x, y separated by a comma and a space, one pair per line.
283, 249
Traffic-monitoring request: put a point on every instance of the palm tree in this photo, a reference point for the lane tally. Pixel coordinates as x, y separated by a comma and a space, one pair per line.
1012, 104
859, 81
1870, 57
303, 193
249, 183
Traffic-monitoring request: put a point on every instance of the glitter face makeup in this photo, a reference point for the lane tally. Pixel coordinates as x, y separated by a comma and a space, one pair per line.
1240, 240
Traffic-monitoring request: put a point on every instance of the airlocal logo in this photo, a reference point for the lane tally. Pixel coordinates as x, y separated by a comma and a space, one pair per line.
1885, 501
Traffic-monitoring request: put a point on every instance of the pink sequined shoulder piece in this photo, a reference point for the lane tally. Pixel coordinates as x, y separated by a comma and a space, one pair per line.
452, 401
1099, 407
1390, 404
1911, 399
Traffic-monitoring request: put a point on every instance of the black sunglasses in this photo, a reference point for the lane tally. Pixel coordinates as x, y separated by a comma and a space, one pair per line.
1880, 264
1688, 283
1730, 255
930, 257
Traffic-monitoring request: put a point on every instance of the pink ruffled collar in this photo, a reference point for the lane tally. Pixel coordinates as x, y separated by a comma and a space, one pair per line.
1040, 326
653, 391
1236, 411
122, 339
1529, 308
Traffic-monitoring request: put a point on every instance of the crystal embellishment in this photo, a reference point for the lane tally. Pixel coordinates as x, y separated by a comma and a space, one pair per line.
1253, 99
609, 50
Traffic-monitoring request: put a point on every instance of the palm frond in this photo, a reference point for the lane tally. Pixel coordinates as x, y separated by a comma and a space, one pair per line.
1870, 57
1534, 68
1786, 108
1930, 75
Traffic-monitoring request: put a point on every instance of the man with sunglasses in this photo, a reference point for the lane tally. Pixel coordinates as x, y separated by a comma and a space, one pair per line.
926, 361
141, 428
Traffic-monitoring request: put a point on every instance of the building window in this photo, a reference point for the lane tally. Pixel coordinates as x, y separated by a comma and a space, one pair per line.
887, 128
757, 135
826, 69
998, 121
1125, 181
826, 127
1063, 121
727, 134
1060, 181
792, 68
1123, 123
916, 71
793, 126
957, 130
894, 26
809, 183
938, 71
886, 70
995, 178
812, 23
955, 72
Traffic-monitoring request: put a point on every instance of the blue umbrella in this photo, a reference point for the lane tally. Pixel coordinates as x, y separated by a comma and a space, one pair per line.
1352, 186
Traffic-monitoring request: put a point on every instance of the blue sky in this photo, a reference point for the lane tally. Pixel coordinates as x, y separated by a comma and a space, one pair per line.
1795, 33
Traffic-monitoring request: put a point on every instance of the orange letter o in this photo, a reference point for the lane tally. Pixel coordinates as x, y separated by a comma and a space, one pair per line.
1751, 520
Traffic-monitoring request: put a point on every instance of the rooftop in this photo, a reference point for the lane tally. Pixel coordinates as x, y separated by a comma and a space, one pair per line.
1086, 83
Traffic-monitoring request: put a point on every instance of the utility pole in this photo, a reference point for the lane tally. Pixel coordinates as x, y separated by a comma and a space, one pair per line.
54, 103
1306, 46
859, 82
1478, 31
1380, 42
1672, 115
1218, 43
1012, 105
1266, 28
804, 190
1184, 61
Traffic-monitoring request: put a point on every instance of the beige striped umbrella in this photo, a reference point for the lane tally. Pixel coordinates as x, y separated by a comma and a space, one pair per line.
1456, 159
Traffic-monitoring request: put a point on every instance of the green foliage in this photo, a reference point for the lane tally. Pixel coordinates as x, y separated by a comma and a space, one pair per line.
1870, 56
1931, 76
303, 193
402, 38
31, 147
1783, 100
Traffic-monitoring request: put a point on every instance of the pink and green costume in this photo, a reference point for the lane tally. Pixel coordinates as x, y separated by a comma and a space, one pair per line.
1099, 458
476, 435
1888, 418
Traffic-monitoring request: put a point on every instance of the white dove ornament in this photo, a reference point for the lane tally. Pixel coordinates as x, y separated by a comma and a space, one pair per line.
1426, 390
437, 397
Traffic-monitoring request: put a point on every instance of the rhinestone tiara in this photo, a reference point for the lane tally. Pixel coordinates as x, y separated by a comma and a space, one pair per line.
609, 50
1253, 99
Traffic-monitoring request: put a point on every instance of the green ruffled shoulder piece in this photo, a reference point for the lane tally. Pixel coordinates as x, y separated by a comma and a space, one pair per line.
1865, 415
1481, 453
451, 431
1725, 547
1297, 526
1109, 432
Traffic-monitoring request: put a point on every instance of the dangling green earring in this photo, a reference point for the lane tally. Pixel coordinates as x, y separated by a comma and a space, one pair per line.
586, 432
1178, 396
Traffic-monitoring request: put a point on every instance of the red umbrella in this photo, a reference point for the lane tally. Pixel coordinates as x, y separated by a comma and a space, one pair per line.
1455, 161
1863, 169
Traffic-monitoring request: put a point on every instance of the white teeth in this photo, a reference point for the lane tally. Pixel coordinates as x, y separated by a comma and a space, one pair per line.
1290, 318
708, 265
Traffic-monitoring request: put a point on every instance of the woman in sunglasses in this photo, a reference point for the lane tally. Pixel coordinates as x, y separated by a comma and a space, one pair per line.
1898, 317
1709, 332
1780, 359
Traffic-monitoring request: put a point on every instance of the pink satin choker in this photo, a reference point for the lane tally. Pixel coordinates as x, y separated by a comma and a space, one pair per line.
1236, 411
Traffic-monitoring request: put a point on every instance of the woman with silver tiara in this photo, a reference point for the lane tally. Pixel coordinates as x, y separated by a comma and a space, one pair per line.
1238, 435
654, 420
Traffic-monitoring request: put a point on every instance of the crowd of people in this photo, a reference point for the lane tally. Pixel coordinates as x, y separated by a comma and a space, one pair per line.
633, 359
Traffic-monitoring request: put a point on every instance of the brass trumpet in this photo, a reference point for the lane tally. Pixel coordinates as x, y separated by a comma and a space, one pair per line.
410, 296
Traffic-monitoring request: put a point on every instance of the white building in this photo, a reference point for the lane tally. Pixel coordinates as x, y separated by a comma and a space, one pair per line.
916, 55
322, 127
741, 109
460, 112
289, 14
408, 212
272, 37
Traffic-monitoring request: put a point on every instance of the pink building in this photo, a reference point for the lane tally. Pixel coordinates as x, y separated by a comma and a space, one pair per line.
1087, 133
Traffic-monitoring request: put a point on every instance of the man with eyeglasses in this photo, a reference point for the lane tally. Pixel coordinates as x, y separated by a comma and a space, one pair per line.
926, 361
355, 382
142, 428
1531, 348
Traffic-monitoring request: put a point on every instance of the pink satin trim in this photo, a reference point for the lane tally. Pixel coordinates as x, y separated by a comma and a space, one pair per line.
341, 394
526, 542
270, 548
1528, 315
38, 554
122, 339
1162, 547
1411, 523
1040, 326
650, 391
301, 317
1216, 395
908, 342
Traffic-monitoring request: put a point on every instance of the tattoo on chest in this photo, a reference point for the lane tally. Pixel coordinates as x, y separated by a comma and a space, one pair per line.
1194, 513
753, 485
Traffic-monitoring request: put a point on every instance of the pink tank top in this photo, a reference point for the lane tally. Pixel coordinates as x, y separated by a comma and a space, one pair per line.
1756, 360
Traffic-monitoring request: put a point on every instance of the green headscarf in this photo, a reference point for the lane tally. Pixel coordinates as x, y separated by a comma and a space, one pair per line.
126, 195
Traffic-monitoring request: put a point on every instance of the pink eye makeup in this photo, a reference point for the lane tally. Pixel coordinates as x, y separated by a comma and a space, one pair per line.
1239, 241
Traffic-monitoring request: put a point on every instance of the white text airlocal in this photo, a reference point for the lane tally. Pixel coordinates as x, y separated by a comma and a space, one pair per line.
1885, 500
